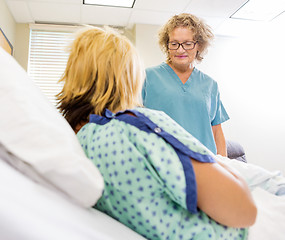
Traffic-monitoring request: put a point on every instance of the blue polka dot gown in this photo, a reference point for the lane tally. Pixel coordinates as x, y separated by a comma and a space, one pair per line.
149, 180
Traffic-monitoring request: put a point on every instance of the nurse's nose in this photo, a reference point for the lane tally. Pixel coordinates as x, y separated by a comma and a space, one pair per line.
180, 48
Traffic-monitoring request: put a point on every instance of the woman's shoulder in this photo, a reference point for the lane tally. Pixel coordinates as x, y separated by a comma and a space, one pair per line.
157, 68
158, 117
204, 79
203, 76
150, 113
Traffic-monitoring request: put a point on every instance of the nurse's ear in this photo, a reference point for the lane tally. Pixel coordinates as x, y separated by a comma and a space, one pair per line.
197, 53
198, 49
198, 56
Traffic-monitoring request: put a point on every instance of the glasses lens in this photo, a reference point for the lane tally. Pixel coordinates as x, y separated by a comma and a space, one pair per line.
173, 45
188, 45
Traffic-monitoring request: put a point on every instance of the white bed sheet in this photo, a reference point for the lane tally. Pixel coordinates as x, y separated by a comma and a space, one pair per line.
29, 211
270, 222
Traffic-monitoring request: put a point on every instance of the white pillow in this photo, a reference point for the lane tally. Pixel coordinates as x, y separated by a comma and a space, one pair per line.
32, 130
29, 211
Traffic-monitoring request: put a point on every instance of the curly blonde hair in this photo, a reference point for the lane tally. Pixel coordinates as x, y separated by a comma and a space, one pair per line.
103, 71
201, 31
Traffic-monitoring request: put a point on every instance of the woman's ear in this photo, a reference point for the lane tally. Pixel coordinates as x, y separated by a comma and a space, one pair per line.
198, 47
197, 53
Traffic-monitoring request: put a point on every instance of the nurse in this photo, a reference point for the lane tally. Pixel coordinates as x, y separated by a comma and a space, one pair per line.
179, 89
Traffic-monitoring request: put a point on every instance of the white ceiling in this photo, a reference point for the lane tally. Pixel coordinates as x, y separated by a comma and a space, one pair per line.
155, 12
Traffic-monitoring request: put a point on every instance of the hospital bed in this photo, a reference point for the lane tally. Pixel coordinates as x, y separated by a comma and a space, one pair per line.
48, 185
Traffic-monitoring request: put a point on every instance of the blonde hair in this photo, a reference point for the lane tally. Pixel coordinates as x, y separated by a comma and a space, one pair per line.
103, 71
201, 31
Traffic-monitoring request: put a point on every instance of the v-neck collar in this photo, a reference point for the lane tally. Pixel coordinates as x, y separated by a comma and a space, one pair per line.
177, 79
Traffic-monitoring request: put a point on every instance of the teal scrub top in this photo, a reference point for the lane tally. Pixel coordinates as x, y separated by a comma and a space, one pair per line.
195, 105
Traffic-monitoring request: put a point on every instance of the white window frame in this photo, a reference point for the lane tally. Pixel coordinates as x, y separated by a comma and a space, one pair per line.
48, 56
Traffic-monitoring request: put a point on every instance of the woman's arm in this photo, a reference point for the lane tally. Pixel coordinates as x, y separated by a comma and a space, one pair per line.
220, 140
223, 195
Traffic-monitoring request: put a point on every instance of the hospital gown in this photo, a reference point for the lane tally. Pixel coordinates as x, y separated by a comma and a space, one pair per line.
149, 180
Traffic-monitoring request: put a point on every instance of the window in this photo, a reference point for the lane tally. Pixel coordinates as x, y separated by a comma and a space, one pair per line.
48, 56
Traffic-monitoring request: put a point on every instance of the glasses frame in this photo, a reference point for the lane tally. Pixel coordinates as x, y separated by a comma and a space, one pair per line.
181, 44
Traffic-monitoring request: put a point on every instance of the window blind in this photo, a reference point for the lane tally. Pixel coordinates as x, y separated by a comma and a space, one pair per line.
48, 58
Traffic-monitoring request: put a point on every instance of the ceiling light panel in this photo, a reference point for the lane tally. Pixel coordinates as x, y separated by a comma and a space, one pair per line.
260, 10
111, 3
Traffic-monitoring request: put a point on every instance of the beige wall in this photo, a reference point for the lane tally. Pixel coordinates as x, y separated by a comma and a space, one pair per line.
18, 34
22, 44
147, 44
7, 22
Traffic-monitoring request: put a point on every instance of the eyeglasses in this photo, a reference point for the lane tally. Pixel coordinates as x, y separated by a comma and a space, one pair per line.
189, 45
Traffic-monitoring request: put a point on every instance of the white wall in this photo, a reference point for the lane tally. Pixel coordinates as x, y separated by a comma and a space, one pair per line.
250, 73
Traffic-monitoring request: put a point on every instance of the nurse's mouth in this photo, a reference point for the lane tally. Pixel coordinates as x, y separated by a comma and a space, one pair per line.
181, 56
